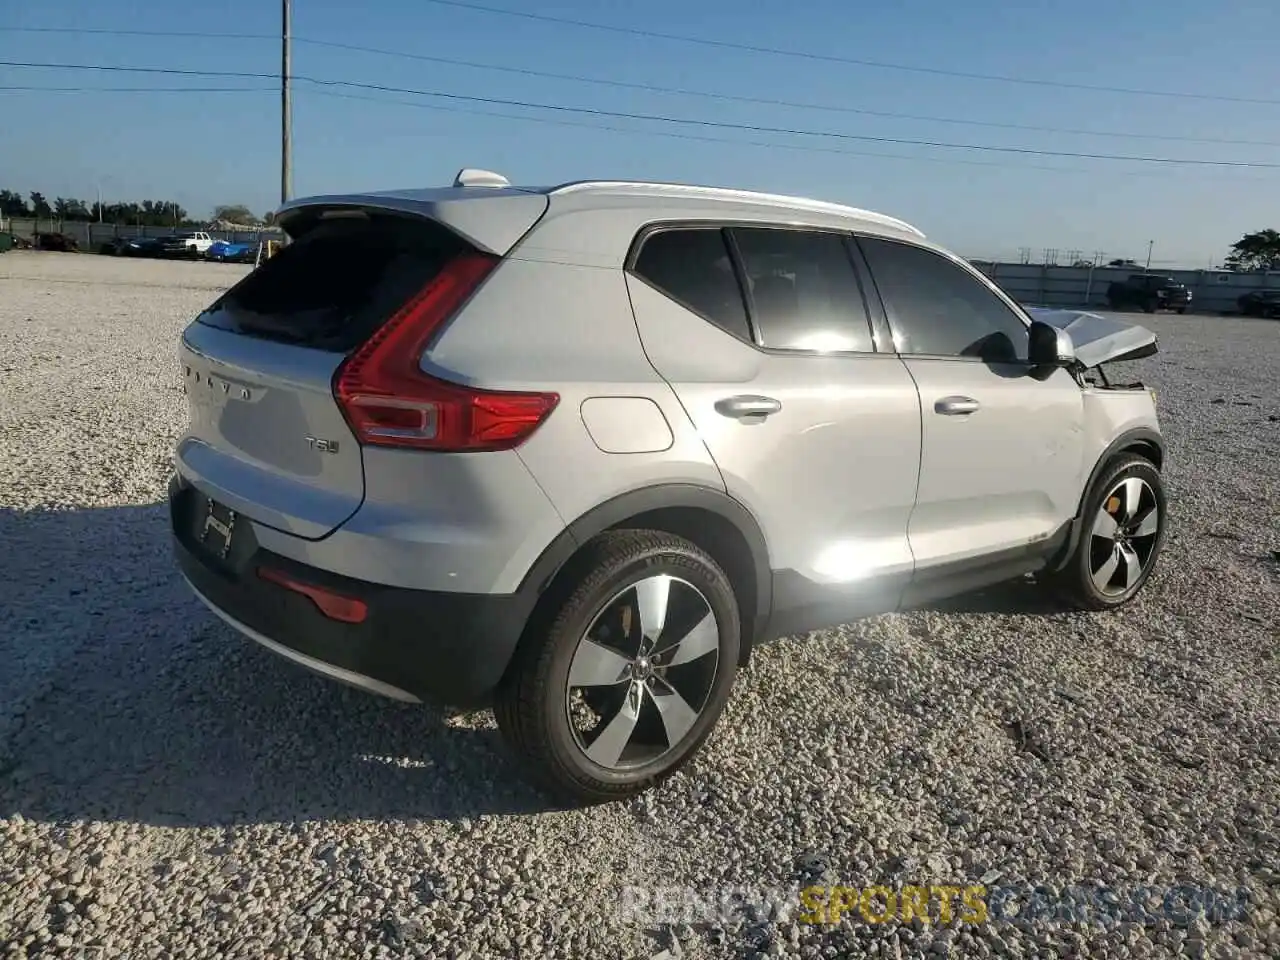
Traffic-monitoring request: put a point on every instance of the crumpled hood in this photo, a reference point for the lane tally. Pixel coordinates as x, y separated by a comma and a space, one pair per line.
1098, 339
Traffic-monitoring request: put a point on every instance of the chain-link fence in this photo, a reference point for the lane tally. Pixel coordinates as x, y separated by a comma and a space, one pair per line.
91, 236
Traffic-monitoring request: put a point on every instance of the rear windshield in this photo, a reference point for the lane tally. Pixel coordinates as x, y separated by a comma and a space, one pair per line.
335, 285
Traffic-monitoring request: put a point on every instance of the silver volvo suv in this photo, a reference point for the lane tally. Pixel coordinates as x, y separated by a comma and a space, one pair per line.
573, 451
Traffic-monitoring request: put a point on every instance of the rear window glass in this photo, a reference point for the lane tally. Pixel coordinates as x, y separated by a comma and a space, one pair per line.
335, 285
693, 268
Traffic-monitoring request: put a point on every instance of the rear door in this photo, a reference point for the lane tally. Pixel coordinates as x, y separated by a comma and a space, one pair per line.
764, 334
1002, 454
266, 436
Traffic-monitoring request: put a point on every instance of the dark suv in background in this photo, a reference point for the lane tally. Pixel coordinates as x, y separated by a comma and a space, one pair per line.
1148, 292
1260, 303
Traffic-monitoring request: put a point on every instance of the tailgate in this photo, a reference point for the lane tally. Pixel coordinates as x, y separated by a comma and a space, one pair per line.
267, 438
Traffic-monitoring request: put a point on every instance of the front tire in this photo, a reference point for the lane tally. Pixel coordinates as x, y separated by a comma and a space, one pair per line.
619, 685
1124, 520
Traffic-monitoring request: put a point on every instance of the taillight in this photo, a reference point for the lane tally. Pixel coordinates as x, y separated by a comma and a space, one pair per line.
389, 401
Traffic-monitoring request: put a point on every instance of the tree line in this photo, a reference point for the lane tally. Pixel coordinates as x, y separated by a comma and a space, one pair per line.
146, 213
1256, 251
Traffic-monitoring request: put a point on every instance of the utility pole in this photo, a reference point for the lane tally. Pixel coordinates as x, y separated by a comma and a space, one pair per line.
286, 111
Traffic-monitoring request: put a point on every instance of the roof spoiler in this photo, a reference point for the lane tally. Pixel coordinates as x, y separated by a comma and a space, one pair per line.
491, 218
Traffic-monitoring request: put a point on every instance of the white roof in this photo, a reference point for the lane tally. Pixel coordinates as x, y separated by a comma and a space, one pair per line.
636, 188
497, 226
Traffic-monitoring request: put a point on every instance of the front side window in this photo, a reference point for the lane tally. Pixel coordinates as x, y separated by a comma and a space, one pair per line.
804, 293
938, 309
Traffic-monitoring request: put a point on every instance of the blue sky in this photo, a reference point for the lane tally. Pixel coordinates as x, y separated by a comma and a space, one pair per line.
209, 148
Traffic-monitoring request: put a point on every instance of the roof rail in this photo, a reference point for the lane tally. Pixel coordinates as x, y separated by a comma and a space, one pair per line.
473, 177
730, 195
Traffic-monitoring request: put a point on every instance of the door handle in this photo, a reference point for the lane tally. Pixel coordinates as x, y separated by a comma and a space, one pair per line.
746, 407
956, 406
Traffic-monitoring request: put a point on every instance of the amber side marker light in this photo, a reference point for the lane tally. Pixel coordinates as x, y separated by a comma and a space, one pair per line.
332, 605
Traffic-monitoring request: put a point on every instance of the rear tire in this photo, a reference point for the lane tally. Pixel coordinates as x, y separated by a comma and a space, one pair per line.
649, 628
1124, 521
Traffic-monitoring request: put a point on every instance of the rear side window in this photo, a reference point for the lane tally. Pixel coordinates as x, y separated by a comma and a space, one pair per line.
335, 285
804, 292
938, 309
693, 268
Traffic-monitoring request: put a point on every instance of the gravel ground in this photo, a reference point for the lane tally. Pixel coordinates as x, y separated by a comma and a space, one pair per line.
168, 790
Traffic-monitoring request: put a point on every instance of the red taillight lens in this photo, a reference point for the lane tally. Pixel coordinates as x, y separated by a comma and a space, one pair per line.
332, 605
389, 401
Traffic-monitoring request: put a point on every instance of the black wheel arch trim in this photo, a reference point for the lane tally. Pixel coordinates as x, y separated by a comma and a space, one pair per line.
633, 503
1134, 439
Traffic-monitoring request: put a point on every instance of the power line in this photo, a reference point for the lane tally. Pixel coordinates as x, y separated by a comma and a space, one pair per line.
766, 101
681, 38
675, 91
832, 58
44, 89
559, 121
166, 71
770, 145
660, 118
794, 131
631, 131
112, 32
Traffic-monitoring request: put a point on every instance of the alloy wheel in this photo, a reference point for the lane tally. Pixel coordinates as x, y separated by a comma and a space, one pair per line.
1124, 536
642, 673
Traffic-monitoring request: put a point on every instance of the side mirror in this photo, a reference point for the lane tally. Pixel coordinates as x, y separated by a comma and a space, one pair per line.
1049, 346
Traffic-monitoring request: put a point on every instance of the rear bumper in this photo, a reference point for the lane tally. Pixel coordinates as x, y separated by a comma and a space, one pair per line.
412, 645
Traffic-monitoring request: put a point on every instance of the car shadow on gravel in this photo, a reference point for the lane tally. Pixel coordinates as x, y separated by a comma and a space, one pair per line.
124, 699
1021, 596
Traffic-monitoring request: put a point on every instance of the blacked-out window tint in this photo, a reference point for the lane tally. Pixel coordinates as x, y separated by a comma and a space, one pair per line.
693, 267
330, 289
936, 308
804, 292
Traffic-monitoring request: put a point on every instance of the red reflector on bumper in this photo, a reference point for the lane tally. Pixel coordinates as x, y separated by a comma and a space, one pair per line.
332, 605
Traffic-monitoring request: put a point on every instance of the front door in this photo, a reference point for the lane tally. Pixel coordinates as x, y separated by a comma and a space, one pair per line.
1002, 448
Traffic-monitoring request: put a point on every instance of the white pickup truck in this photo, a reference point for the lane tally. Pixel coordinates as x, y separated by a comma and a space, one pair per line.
190, 243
